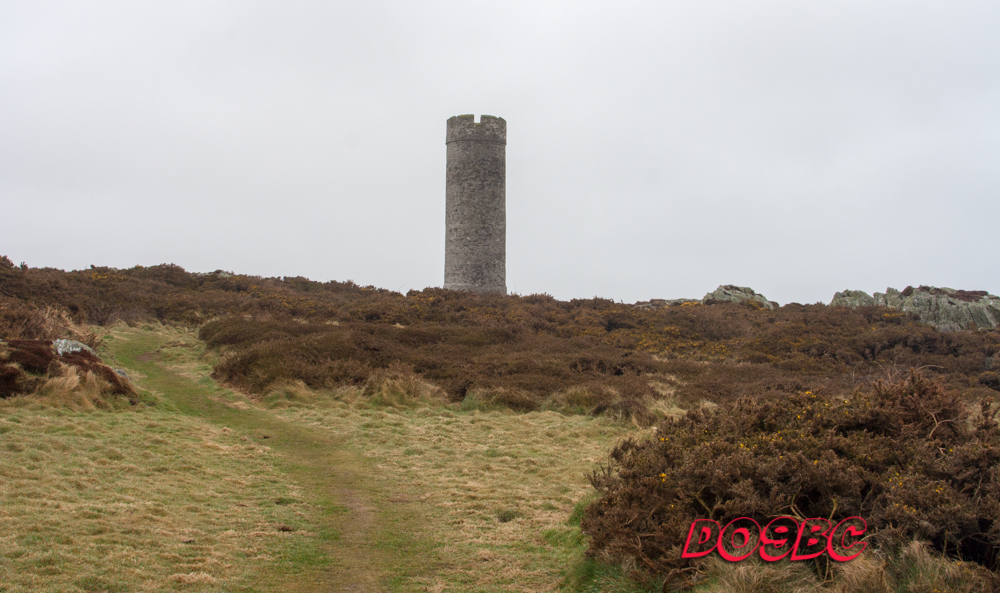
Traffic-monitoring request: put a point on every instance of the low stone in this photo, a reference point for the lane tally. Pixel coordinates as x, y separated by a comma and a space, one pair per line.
852, 299
64, 347
728, 293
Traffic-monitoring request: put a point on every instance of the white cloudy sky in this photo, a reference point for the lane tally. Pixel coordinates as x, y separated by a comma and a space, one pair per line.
655, 149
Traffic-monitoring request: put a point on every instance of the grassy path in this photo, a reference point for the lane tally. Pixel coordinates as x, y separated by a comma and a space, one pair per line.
364, 544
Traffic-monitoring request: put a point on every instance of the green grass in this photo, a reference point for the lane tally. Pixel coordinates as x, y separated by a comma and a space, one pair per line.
583, 574
136, 501
201, 491
352, 540
488, 485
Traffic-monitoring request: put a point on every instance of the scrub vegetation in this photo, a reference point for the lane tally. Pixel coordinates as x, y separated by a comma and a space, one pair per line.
908, 457
516, 442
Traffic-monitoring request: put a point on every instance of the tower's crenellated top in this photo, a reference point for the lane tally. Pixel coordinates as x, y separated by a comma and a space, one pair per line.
475, 252
463, 128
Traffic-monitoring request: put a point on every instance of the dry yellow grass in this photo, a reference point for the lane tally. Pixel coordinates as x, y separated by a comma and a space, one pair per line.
76, 390
913, 569
487, 484
145, 500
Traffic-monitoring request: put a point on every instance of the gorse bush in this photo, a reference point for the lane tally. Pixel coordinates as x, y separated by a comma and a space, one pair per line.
907, 456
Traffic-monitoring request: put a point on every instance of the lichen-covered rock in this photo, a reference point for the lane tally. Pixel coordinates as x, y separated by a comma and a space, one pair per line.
852, 298
946, 309
738, 294
64, 347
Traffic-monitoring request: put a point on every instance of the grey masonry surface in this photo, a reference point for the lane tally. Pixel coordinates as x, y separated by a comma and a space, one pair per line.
476, 210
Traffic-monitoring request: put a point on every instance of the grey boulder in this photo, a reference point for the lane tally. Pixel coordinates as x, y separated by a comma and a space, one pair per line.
728, 293
64, 347
852, 299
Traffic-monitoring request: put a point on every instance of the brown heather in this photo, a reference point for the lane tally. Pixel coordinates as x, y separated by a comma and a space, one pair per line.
906, 456
530, 349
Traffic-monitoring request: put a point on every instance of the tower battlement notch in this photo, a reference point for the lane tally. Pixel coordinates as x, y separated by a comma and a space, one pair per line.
476, 210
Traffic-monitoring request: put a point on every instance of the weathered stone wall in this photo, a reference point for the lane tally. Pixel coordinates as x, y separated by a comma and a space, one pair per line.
476, 211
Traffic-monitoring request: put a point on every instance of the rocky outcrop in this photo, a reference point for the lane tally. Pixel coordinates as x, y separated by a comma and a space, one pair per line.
852, 299
946, 309
738, 294
726, 293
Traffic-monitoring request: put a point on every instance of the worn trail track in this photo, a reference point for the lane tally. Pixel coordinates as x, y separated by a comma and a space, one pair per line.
332, 476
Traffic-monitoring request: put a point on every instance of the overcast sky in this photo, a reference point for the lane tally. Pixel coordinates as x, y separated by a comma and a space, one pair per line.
655, 149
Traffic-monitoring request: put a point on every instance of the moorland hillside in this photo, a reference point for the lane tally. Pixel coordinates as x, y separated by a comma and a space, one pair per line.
758, 410
521, 351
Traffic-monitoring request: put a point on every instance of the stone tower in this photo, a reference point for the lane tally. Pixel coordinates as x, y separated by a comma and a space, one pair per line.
475, 255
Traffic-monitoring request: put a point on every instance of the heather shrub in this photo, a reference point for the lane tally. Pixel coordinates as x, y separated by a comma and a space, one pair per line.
541, 348
232, 330
168, 293
908, 457
319, 361
632, 410
580, 399
504, 366
500, 398
21, 321
78, 380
